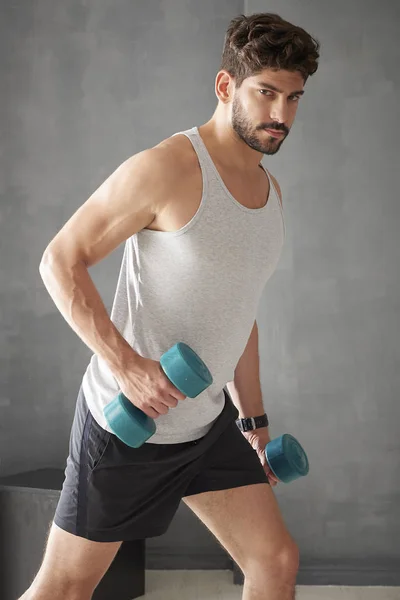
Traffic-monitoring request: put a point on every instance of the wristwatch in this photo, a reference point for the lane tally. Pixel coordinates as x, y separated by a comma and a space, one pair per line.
250, 423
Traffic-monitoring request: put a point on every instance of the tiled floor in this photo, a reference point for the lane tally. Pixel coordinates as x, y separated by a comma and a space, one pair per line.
217, 585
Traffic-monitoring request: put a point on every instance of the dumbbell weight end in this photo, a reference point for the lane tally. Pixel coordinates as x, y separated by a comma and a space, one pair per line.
286, 458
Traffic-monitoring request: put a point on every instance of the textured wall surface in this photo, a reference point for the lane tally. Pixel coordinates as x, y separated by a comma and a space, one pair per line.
330, 317
85, 85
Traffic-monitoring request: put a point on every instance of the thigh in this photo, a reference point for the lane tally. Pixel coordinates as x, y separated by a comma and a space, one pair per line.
246, 520
72, 563
229, 461
112, 492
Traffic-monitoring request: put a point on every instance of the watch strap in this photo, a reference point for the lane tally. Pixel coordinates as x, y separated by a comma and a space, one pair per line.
251, 423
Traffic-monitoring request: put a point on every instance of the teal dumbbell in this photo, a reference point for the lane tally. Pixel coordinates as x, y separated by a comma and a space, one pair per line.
286, 458
188, 373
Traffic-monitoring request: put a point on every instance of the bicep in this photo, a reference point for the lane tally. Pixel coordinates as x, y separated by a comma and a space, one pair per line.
122, 205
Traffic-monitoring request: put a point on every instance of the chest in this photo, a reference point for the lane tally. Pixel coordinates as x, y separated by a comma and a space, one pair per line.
184, 201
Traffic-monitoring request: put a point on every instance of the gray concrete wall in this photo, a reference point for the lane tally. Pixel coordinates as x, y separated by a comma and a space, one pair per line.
85, 85
329, 320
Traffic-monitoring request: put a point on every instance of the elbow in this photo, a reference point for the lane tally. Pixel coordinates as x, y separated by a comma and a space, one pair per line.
47, 262
57, 261
51, 262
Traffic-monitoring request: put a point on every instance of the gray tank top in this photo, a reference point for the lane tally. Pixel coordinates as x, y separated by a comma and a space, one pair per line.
200, 285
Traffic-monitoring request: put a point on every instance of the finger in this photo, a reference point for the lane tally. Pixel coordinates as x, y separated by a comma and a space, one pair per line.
270, 475
151, 412
271, 479
171, 389
175, 393
267, 469
169, 400
160, 407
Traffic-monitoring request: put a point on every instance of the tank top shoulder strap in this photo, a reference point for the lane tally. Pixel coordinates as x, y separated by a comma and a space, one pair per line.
199, 148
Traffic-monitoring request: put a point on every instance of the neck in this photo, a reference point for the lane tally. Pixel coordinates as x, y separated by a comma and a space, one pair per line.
226, 147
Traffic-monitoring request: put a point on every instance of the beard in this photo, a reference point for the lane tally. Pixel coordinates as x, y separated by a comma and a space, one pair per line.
249, 134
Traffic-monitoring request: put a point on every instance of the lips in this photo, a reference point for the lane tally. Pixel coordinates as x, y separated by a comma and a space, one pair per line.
274, 133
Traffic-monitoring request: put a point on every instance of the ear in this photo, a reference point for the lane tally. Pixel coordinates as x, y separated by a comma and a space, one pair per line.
224, 86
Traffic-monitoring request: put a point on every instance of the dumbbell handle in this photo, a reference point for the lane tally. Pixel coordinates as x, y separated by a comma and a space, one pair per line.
184, 369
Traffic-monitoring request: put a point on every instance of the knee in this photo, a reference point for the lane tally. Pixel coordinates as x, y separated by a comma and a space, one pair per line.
279, 562
288, 558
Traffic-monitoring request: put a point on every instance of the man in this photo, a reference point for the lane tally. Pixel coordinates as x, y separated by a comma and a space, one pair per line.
203, 228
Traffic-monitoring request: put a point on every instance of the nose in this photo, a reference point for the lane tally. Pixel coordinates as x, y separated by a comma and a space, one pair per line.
279, 112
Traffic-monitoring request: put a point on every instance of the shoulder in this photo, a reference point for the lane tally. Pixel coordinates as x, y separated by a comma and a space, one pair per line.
170, 156
163, 173
161, 168
169, 159
177, 153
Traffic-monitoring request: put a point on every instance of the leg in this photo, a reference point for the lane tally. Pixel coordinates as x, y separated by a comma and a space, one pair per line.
248, 523
72, 567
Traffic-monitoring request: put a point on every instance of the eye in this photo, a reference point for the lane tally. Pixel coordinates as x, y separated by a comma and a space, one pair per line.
294, 98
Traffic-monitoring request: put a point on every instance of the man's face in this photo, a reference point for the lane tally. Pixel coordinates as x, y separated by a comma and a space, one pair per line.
257, 106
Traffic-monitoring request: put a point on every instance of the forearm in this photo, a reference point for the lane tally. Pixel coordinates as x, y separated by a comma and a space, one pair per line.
245, 388
78, 300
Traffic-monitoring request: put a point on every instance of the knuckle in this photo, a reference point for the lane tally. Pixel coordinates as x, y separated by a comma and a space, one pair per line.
163, 384
161, 408
160, 389
160, 397
166, 389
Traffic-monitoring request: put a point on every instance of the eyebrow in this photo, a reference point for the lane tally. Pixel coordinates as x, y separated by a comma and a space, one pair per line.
264, 84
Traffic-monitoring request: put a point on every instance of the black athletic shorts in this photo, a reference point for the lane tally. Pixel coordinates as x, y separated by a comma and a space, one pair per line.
113, 492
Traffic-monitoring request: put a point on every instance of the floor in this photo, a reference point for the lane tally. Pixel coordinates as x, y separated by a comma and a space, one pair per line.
217, 585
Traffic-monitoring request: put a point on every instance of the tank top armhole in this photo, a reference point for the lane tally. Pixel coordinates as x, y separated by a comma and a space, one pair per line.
278, 197
203, 200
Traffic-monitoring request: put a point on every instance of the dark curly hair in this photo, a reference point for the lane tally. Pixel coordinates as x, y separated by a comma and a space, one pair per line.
265, 40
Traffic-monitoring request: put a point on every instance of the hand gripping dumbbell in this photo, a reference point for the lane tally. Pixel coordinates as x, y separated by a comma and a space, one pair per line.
286, 458
188, 373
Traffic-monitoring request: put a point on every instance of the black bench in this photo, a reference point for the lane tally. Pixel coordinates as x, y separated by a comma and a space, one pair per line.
27, 505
